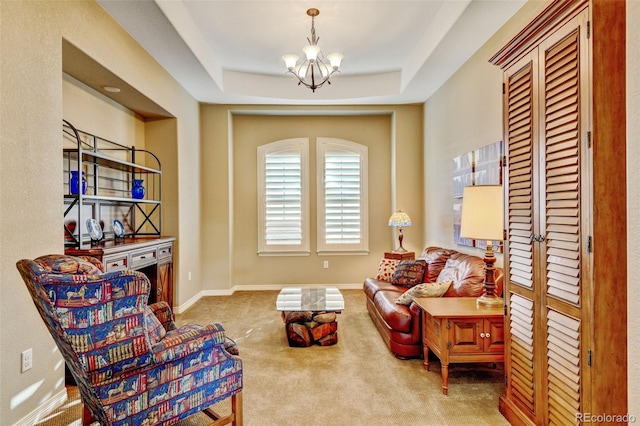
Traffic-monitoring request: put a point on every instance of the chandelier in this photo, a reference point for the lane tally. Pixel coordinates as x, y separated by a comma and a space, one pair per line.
313, 72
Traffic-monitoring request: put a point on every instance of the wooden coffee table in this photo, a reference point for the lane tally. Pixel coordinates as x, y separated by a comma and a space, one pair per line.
310, 314
457, 330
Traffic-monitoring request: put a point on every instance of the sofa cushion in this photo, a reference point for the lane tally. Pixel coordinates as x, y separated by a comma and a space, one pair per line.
436, 258
424, 290
398, 317
371, 286
409, 273
467, 273
386, 269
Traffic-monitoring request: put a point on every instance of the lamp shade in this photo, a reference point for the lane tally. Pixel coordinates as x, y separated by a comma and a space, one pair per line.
335, 59
290, 61
400, 219
482, 214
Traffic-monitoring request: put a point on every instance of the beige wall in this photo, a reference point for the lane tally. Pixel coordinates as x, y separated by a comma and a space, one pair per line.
230, 137
31, 178
465, 114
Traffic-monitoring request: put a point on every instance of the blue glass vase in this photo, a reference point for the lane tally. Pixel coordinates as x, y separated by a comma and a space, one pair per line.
77, 185
137, 190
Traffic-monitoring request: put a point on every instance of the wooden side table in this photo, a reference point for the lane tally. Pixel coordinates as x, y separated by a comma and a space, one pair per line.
457, 330
409, 255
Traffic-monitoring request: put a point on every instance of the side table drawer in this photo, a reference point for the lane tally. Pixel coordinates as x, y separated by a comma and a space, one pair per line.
165, 252
116, 262
143, 258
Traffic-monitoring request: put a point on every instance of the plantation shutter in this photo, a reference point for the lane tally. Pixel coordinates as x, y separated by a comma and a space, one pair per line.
521, 365
520, 176
562, 186
342, 197
563, 351
283, 198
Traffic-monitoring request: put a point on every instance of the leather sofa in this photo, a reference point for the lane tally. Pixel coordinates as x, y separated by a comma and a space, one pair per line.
401, 326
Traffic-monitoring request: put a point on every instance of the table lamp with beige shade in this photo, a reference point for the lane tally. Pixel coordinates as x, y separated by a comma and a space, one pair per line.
482, 219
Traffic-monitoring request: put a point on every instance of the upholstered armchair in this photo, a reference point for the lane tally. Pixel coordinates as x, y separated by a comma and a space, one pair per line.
131, 363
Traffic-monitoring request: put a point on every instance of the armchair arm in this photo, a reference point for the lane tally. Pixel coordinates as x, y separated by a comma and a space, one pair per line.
163, 312
186, 340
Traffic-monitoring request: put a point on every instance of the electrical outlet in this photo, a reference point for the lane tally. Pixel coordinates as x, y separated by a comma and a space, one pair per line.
27, 360
326, 264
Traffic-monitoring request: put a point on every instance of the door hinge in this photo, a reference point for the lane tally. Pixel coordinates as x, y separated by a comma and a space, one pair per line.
504, 235
448, 325
589, 357
588, 29
589, 244
504, 90
448, 345
506, 380
505, 309
589, 139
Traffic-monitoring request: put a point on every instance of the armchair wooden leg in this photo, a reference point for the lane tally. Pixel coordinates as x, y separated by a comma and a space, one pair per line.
235, 418
87, 417
236, 407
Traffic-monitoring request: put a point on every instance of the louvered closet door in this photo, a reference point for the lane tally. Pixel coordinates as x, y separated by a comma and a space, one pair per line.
520, 133
564, 126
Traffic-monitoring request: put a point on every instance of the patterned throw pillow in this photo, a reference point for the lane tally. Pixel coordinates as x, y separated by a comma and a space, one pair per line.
386, 269
154, 327
409, 273
424, 290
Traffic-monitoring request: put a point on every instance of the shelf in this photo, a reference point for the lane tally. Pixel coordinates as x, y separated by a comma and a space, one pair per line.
103, 160
94, 198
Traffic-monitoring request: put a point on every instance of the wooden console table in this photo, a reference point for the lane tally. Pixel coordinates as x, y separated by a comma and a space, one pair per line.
151, 255
457, 330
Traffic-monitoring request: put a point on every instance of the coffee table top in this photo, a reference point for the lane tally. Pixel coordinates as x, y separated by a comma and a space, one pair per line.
310, 299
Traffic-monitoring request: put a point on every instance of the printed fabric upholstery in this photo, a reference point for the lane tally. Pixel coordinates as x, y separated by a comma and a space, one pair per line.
132, 365
154, 327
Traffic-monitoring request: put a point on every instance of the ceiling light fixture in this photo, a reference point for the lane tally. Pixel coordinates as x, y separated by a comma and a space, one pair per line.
313, 72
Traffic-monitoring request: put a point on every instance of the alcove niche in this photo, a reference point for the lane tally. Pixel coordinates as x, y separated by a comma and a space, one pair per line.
148, 126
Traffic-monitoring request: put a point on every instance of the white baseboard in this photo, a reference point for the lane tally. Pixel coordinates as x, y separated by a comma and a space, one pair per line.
43, 410
182, 308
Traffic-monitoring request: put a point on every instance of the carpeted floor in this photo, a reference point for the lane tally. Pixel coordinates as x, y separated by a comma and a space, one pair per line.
356, 382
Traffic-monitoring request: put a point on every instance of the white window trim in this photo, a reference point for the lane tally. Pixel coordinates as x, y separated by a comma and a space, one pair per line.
301, 146
322, 145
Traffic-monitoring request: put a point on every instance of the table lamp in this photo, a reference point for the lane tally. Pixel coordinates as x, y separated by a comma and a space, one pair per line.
482, 219
400, 219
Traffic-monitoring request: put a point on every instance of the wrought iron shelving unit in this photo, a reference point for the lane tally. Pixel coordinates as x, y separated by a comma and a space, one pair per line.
110, 169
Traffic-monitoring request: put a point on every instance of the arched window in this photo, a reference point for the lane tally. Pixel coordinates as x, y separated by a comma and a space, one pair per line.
342, 202
283, 197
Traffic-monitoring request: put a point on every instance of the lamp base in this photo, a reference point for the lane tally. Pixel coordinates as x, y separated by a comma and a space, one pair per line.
489, 297
399, 250
490, 302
